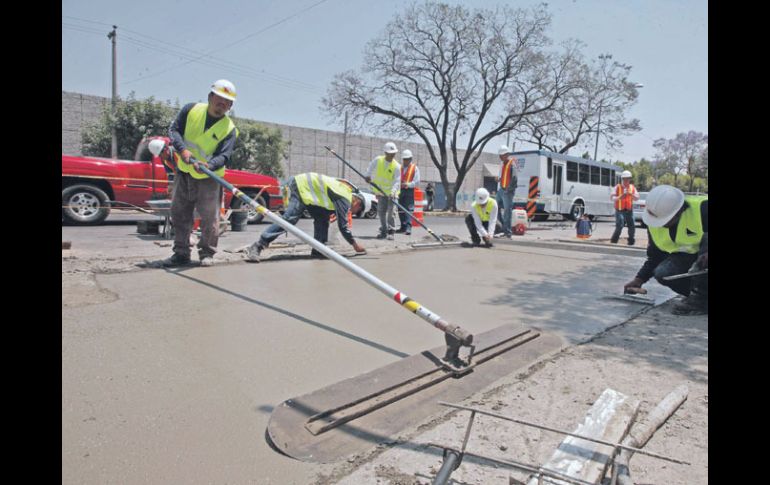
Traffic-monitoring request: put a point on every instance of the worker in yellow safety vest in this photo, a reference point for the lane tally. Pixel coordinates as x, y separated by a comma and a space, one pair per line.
321, 196
202, 134
385, 172
677, 226
482, 222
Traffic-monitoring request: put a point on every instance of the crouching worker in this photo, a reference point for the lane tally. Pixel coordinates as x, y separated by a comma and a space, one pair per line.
482, 221
322, 196
677, 228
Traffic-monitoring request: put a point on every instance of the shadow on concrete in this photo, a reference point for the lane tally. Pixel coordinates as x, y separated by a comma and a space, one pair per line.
295, 316
574, 304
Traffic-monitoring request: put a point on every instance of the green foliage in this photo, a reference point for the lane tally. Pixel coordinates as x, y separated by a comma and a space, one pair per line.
134, 120
259, 149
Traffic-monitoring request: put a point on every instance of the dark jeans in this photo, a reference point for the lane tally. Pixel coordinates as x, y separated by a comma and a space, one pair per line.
624, 218
191, 194
505, 203
406, 200
678, 263
475, 237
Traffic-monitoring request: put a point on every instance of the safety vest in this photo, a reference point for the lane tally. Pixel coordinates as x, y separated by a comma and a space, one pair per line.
312, 189
624, 202
202, 143
408, 175
689, 229
484, 214
385, 174
505, 175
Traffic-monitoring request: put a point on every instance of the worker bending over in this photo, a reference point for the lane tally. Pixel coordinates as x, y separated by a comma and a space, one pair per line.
322, 196
483, 216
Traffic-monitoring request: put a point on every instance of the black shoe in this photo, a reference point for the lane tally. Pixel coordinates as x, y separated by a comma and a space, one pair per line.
381, 236
391, 232
317, 254
476, 243
615, 241
631, 242
175, 260
400, 230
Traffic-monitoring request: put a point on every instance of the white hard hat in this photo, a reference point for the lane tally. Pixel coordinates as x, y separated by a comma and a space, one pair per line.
406, 154
626, 174
663, 202
503, 150
156, 146
390, 147
482, 195
224, 88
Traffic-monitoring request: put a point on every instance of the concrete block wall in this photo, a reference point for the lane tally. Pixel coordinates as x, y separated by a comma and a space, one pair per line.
306, 153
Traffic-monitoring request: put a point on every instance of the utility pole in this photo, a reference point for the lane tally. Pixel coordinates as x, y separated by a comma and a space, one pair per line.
344, 142
113, 35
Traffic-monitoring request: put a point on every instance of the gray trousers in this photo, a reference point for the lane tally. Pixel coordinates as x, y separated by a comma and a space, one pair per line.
191, 194
385, 211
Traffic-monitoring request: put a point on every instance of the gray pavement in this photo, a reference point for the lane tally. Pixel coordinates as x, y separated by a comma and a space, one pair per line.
169, 376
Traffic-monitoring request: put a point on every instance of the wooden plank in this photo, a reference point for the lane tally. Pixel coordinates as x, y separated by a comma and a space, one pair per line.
609, 419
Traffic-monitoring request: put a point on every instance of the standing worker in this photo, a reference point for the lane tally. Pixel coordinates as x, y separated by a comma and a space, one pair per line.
203, 135
322, 196
429, 195
624, 196
506, 186
410, 177
385, 172
678, 228
483, 216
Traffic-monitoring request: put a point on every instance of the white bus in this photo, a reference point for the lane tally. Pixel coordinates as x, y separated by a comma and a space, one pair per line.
566, 185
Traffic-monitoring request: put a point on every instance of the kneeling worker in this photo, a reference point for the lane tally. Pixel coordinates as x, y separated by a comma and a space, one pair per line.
322, 196
678, 228
483, 216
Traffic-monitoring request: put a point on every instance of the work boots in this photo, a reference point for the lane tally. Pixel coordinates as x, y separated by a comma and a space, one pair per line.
253, 252
695, 304
175, 260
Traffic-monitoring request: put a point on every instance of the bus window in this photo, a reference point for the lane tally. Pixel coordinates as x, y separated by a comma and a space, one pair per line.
584, 173
596, 175
572, 171
550, 167
606, 176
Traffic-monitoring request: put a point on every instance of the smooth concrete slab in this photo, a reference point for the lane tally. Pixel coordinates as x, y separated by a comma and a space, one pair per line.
175, 379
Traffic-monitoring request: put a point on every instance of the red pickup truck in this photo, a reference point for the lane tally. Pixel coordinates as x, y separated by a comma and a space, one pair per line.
91, 186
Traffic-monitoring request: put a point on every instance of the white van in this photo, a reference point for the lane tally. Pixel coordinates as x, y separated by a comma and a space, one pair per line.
566, 185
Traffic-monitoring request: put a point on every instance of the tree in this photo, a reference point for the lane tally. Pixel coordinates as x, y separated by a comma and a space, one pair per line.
598, 106
453, 77
134, 120
686, 153
259, 148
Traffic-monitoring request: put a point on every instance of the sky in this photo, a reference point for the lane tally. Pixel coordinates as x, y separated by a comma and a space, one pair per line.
282, 56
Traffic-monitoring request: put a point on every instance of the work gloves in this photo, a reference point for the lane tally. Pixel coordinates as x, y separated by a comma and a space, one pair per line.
359, 249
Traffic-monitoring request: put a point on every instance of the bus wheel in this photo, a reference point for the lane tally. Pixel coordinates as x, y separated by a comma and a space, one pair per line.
577, 210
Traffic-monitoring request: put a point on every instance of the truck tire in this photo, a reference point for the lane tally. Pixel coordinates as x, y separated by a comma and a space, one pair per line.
84, 205
577, 210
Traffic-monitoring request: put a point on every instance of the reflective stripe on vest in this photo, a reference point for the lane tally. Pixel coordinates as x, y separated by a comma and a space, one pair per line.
484, 216
624, 202
505, 176
407, 176
312, 189
202, 143
385, 174
689, 229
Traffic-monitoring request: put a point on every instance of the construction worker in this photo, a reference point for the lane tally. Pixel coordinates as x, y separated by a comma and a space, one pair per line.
169, 157
677, 226
623, 196
506, 186
410, 177
483, 216
385, 172
203, 135
322, 196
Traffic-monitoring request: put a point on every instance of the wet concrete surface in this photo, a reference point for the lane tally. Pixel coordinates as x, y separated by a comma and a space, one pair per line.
173, 379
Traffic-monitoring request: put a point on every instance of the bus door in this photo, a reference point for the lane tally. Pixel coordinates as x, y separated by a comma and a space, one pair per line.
555, 199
